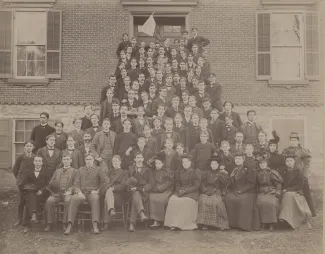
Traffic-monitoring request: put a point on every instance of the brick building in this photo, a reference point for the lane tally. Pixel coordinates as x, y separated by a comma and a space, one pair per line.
266, 55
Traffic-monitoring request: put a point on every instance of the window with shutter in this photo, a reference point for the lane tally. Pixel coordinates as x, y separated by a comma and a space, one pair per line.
53, 51
5, 43
263, 56
312, 46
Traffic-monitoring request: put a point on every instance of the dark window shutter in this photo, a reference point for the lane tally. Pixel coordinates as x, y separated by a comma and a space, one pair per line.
5, 143
312, 46
263, 46
5, 43
53, 46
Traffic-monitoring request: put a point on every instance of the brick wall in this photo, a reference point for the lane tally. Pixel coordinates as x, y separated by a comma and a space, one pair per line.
92, 31
314, 125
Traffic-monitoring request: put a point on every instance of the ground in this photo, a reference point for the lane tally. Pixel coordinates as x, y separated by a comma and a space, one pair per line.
118, 240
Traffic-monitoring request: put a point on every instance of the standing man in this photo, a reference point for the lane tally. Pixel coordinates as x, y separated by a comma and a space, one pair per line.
122, 46
85, 121
95, 125
103, 144
250, 129
41, 131
200, 41
111, 84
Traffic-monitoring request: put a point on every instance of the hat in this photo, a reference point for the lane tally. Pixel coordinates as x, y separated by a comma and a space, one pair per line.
239, 153
216, 157
186, 156
262, 155
275, 139
289, 154
294, 135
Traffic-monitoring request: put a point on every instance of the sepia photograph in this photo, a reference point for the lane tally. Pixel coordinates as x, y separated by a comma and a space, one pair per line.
161, 126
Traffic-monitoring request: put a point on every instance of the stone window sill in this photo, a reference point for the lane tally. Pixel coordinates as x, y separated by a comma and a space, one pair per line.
30, 3
28, 82
288, 2
288, 83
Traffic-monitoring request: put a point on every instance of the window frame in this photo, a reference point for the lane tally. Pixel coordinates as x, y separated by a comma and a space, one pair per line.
15, 45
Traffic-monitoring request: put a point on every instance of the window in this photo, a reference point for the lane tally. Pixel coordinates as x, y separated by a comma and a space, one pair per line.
31, 48
287, 47
284, 126
22, 131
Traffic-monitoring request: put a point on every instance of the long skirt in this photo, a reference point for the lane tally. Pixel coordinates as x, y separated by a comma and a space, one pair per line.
212, 211
181, 213
294, 209
158, 204
268, 207
242, 211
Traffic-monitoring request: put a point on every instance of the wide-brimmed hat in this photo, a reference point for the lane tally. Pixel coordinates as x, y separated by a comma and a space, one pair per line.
289, 154
294, 135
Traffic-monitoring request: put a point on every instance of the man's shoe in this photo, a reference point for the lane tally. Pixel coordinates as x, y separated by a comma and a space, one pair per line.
34, 219
48, 228
112, 214
156, 224
143, 218
95, 228
26, 230
18, 223
104, 227
131, 228
68, 230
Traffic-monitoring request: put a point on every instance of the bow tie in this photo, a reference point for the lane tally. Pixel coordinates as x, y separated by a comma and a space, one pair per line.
50, 149
70, 150
37, 170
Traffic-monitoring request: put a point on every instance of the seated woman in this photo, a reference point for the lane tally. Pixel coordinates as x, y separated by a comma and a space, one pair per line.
182, 208
269, 191
275, 160
161, 191
294, 208
141, 182
240, 202
212, 210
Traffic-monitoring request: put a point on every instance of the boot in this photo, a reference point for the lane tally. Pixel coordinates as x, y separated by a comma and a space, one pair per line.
112, 214
156, 224
131, 227
26, 230
48, 228
271, 228
143, 218
96, 230
68, 230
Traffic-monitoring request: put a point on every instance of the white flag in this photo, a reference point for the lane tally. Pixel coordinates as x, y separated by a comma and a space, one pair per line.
149, 26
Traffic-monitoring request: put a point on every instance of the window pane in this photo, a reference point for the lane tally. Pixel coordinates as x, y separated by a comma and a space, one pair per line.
29, 124
31, 27
19, 136
20, 125
286, 63
19, 148
172, 29
31, 61
286, 29
5, 62
27, 135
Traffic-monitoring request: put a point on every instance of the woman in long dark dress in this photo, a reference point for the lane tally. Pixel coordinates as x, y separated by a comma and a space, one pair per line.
275, 160
294, 208
269, 191
161, 191
240, 201
212, 210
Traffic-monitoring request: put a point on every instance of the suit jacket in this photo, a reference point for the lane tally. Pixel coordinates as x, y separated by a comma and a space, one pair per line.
244, 129
188, 180
192, 137
199, 99
229, 134
144, 179
156, 103
138, 127
117, 126
237, 122
97, 144
39, 134
84, 152
60, 140
218, 129
234, 149
162, 138
200, 41
94, 180
201, 155
76, 157
31, 182
50, 163
215, 91
105, 110
22, 164
92, 132
86, 123
148, 109
54, 185
163, 181
171, 112
152, 145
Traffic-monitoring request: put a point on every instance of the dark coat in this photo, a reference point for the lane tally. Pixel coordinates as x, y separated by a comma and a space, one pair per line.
105, 110
293, 180
30, 182
215, 91
77, 136
144, 179
243, 179
229, 133
250, 162
201, 155
97, 144
277, 162
22, 164
38, 135
234, 149
163, 181
76, 157
54, 184
50, 163
92, 132
192, 137
214, 182
86, 123
171, 112
253, 139
188, 180
164, 136
61, 140
200, 41
302, 159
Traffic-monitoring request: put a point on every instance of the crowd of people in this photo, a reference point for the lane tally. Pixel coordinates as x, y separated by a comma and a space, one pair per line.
164, 143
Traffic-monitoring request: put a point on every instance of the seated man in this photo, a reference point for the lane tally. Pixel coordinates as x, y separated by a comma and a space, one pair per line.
61, 187
34, 185
141, 182
90, 178
115, 191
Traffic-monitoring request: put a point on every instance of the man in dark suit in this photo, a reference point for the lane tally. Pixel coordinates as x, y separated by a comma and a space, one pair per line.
95, 126
111, 84
86, 123
214, 90
122, 46
41, 131
51, 155
34, 182
239, 146
200, 41
168, 134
